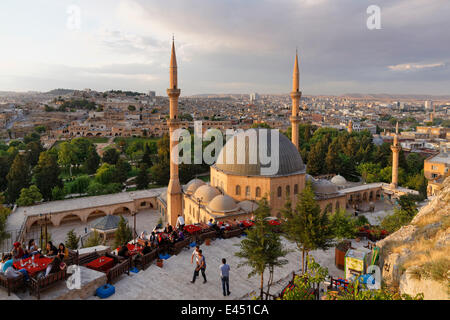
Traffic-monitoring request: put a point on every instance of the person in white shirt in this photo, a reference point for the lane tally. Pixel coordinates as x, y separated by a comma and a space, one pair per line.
180, 222
195, 254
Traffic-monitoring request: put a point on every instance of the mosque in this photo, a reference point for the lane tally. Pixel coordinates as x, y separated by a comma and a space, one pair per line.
235, 187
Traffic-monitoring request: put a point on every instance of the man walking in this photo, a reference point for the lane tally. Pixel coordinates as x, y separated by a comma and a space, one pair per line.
201, 266
225, 276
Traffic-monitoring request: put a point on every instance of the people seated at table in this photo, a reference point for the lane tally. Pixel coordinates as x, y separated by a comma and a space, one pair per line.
145, 236
32, 248
168, 229
56, 265
123, 251
17, 251
153, 240
51, 249
210, 223
62, 250
173, 237
180, 235
10, 271
146, 249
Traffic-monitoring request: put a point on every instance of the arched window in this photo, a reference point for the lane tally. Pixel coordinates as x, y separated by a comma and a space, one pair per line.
247, 191
238, 190
258, 192
295, 188
279, 192
288, 190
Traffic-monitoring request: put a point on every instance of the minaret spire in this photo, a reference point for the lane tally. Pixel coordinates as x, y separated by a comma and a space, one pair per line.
295, 96
395, 153
174, 196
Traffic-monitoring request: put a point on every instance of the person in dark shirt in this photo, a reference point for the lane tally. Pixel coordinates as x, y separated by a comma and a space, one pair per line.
147, 249
51, 249
123, 251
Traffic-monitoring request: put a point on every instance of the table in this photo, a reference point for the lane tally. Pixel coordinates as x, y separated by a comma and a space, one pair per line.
192, 228
247, 223
102, 264
40, 264
132, 248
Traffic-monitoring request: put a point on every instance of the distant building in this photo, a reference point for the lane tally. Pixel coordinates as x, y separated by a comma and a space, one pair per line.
428, 105
436, 169
254, 97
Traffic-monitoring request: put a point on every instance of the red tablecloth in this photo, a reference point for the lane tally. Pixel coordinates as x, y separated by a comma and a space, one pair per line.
101, 264
192, 228
40, 264
132, 249
247, 223
274, 222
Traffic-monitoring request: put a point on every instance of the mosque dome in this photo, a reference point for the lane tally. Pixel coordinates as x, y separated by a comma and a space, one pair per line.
290, 161
324, 187
339, 180
193, 185
222, 203
206, 193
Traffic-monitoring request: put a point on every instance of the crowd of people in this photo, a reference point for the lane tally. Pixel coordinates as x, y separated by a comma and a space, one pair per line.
18, 253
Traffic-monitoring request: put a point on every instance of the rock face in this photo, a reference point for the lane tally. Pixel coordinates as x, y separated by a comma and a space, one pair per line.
415, 259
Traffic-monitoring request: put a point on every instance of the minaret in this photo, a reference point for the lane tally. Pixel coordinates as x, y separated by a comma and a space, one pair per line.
350, 126
174, 195
395, 152
295, 96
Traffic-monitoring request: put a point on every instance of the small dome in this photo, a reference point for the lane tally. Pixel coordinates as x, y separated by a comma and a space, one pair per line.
248, 206
193, 185
339, 180
222, 203
206, 193
324, 187
310, 178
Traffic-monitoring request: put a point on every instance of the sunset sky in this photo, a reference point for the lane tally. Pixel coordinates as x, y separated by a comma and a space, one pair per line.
226, 46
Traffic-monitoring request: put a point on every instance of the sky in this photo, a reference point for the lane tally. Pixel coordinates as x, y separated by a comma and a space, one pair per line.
226, 46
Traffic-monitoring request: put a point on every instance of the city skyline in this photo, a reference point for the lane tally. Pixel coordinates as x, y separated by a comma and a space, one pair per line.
221, 49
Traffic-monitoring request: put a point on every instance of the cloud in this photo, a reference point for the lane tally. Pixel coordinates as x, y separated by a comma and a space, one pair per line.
415, 66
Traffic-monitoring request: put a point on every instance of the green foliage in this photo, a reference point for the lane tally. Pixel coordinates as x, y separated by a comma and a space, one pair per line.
58, 193
29, 196
305, 283
46, 174
142, 179
122, 168
262, 248
123, 233
92, 161
355, 291
306, 225
67, 156
401, 216
72, 240
111, 156
343, 226
95, 188
4, 213
361, 221
80, 185
93, 240
18, 177
107, 174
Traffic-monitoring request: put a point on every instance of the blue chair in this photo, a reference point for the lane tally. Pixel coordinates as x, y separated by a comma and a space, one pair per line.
105, 291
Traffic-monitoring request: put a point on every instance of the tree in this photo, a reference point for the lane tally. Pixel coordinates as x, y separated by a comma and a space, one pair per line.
79, 185
131, 108
306, 283
122, 168
262, 248
342, 225
81, 148
123, 233
18, 177
306, 225
46, 174
146, 158
4, 213
34, 149
332, 158
316, 156
142, 179
67, 156
29, 196
92, 161
106, 174
111, 156
93, 240
72, 240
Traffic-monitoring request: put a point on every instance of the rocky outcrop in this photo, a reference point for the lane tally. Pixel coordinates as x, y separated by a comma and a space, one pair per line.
416, 258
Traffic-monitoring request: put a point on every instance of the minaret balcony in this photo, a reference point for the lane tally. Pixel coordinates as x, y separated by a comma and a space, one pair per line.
173, 92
